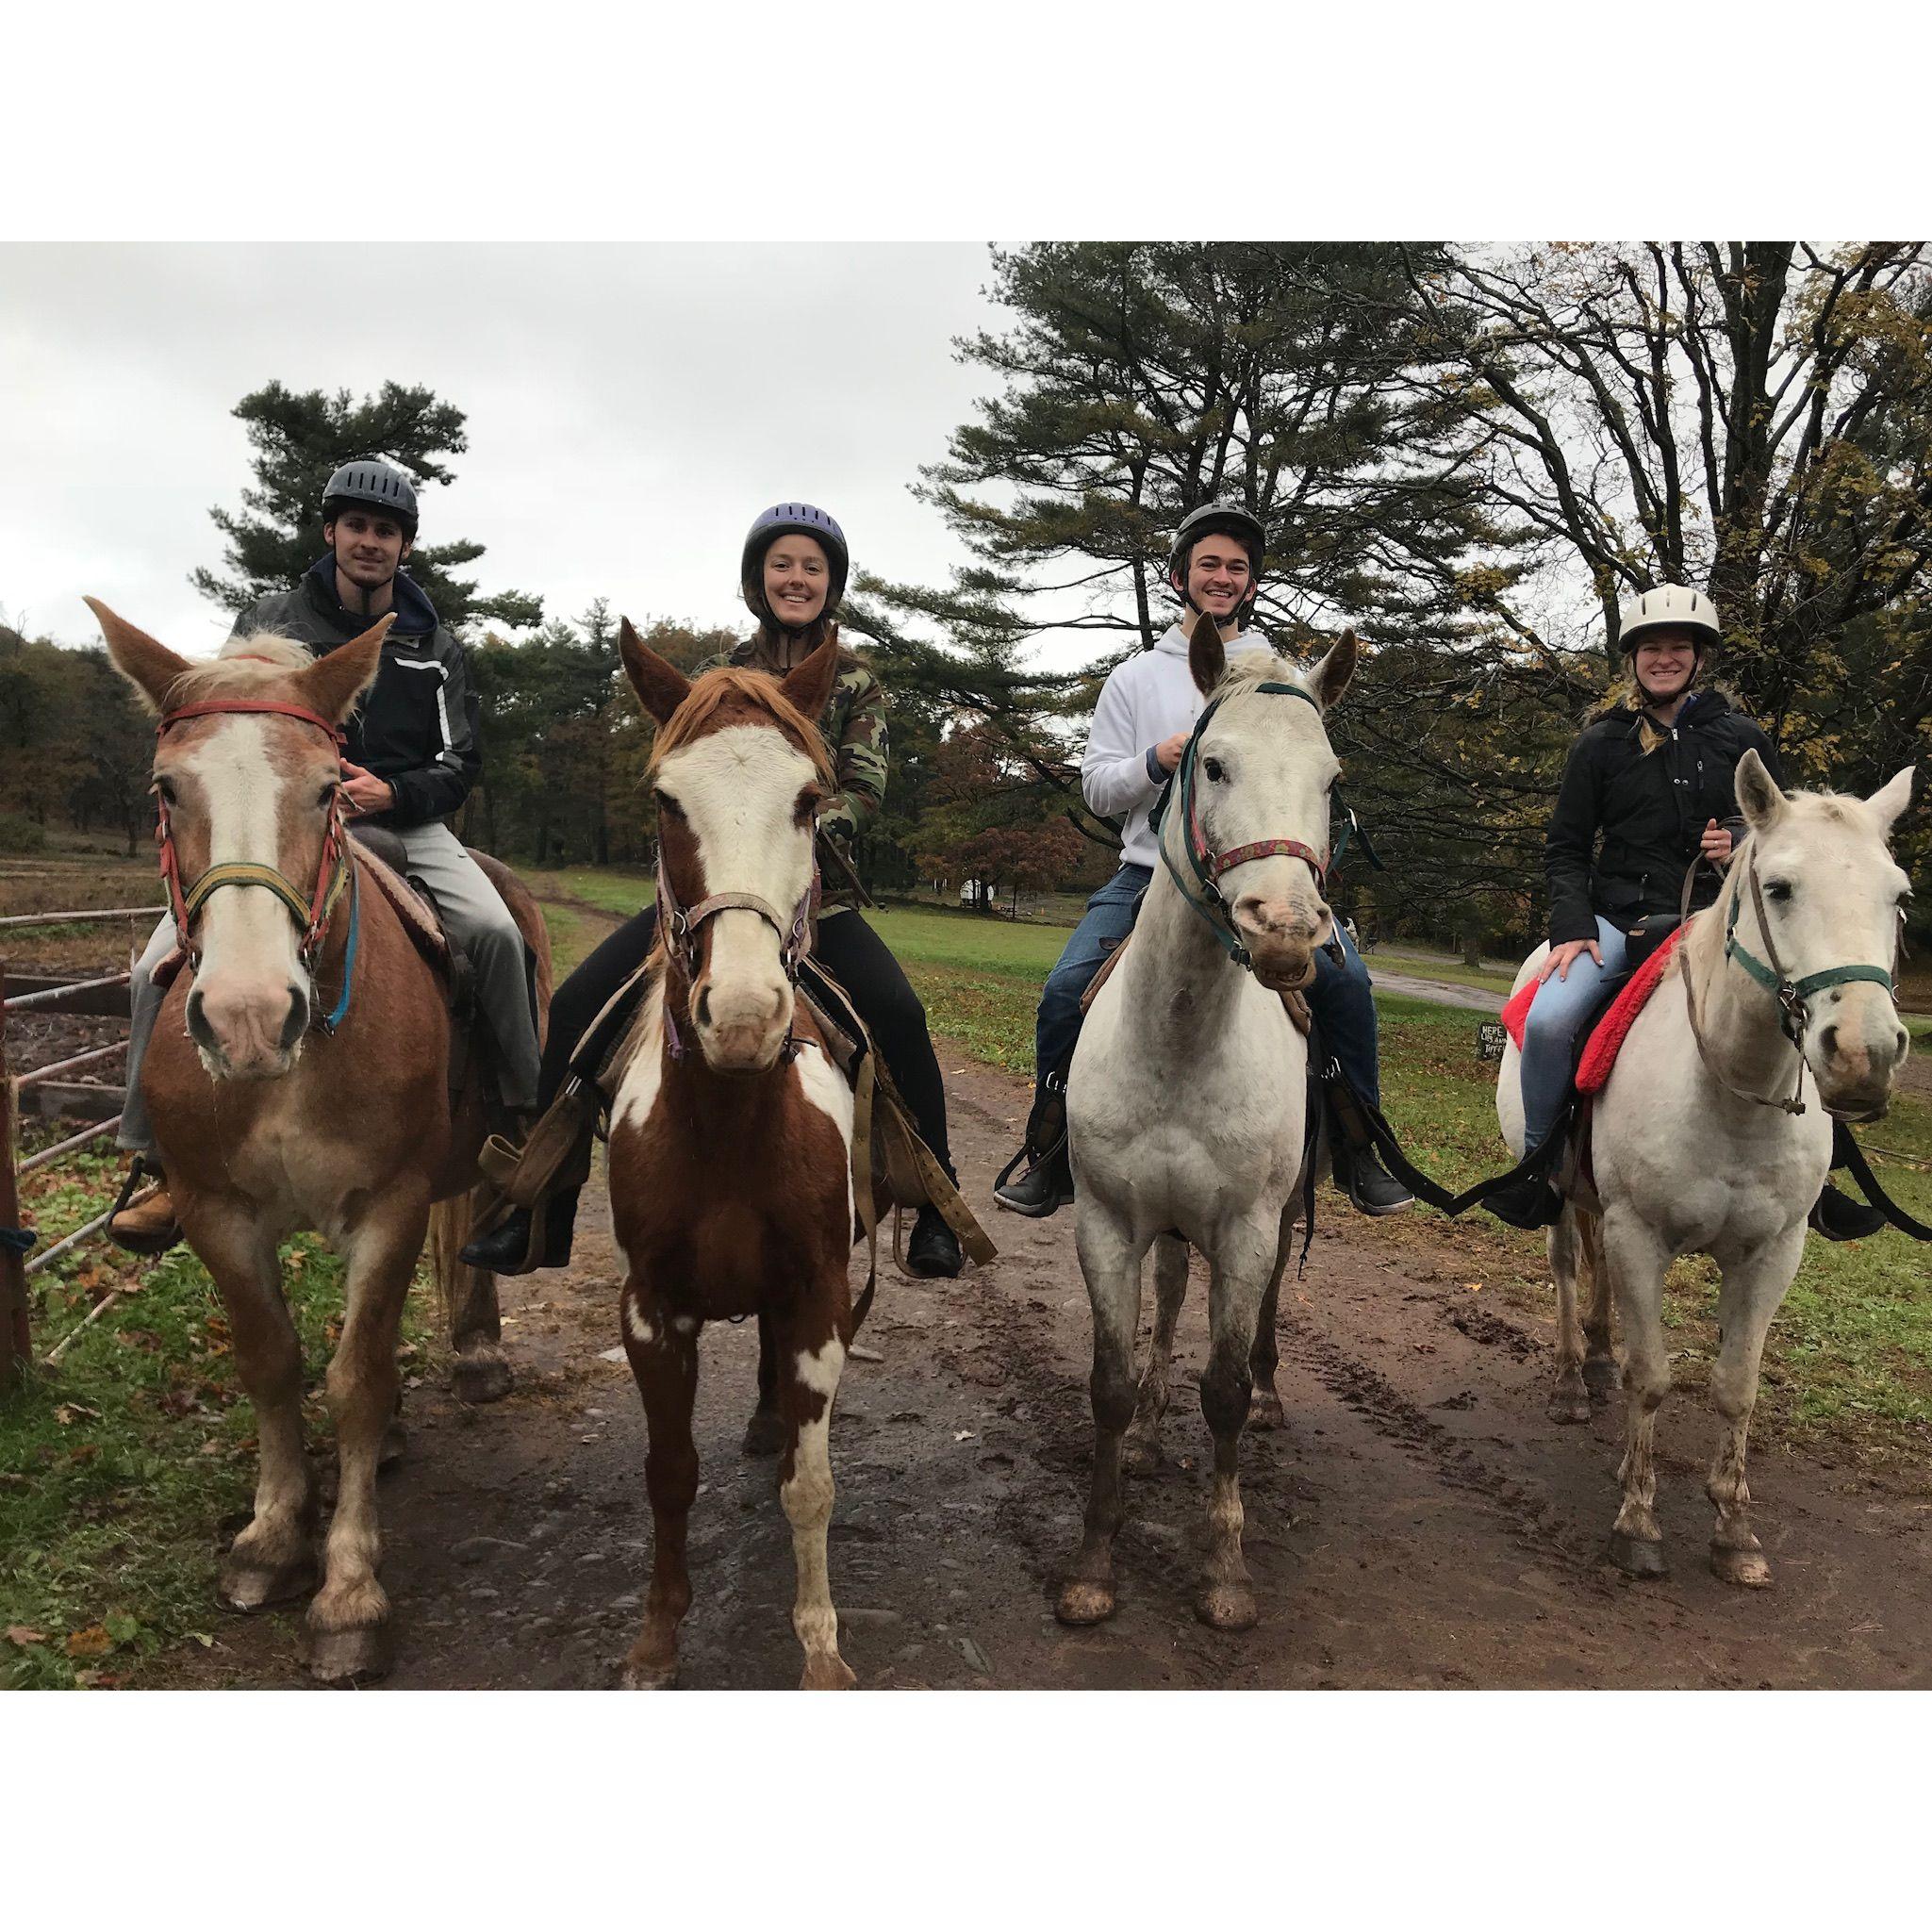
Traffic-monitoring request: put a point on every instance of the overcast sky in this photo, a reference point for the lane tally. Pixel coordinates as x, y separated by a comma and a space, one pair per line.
630, 408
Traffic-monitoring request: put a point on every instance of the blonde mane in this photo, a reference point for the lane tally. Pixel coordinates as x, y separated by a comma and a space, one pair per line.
234, 668
692, 718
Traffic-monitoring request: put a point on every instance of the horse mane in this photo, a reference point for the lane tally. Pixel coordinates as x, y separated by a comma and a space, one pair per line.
234, 668
710, 692
1252, 668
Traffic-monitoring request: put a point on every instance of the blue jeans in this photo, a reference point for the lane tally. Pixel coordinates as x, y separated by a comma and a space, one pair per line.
1549, 1035
1340, 997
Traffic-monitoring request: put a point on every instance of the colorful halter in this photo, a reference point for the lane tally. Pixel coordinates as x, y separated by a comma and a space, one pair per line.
334, 871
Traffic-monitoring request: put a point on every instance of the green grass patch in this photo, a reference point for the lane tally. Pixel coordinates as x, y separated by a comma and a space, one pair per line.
124, 1467
605, 890
1435, 965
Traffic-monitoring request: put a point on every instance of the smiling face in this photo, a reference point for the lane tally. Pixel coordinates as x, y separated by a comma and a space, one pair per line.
369, 547
797, 578
1220, 578
1665, 661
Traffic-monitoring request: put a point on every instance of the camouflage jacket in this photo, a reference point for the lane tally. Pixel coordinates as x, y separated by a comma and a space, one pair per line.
853, 727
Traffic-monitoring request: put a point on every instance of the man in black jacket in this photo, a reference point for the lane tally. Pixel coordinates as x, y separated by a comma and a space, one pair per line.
410, 761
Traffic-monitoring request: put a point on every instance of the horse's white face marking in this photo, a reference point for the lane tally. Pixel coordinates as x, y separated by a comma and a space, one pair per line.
644, 1072
738, 790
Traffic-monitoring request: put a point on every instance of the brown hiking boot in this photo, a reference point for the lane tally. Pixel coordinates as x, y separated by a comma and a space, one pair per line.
147, 1222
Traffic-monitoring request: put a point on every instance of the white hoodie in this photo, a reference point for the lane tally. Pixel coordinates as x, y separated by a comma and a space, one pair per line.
1144, 701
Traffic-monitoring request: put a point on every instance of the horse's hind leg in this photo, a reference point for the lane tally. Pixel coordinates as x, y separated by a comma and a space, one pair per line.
1569, 1400
481, 1370
764, 1433
1141, 1452
347, 1627
808, 1380
1752, 1289
273, 1558
1227, 1593
1601, 1375
1265, 1411
663, 1353
1111, 1261
1637, 1261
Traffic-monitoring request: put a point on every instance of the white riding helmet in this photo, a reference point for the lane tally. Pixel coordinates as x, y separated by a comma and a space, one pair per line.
1668, 605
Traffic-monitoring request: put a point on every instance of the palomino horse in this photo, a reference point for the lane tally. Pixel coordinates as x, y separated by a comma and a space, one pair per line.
1695, 1148
731, 1132
1187, 1096
298, 1078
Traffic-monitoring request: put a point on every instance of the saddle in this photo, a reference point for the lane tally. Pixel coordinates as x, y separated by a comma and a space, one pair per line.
1295, 1003
1603, 1033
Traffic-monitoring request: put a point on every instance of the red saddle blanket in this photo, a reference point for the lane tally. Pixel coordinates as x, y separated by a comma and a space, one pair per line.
1600, 1054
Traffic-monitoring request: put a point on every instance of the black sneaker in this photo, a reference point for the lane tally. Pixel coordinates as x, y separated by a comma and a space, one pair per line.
1370, 1187
1045, 1188
1532, 1202
934, 1248
1838, 1217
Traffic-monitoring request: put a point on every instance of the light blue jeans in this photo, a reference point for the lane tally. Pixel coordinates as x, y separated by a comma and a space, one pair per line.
1549, 1035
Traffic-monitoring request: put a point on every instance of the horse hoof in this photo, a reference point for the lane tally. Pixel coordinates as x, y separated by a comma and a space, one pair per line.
1082, 1602
828, 1673
1228, 1607
1265, 1411
350, 1657
1637, 1556
764, 1432
648, 1676
395, 1445
481, 1378
1140, 1455
1602, 1377
1568, 1405
246, 1586
1746, 1568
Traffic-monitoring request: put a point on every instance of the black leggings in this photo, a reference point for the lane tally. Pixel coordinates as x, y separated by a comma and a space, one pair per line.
853, 954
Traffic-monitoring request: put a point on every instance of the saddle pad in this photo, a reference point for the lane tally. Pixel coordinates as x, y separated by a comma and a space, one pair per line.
1593, 1071
1515, 1013
418, 921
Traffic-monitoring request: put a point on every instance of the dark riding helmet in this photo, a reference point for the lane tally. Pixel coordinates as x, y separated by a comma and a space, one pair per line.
790, 519
378, 485
1217, 519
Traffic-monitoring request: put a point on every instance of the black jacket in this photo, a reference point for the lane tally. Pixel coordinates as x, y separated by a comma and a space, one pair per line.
1650, 812
417, 725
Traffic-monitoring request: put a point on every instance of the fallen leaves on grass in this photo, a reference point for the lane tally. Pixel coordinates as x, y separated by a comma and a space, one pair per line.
91, 1641
20, 1636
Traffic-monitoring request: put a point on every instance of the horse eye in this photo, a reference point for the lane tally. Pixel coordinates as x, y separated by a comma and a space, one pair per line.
327, 793
166, 788
1214, 769
810, 800
1778, 890
668, 805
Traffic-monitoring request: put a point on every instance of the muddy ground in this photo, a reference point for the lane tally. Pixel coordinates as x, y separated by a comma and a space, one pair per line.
1417, 1524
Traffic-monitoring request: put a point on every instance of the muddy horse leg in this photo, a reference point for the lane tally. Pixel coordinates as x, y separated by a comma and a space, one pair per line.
663, 1353
764, 1433
1141, 1452
1235, 1294
1111, 1261
1601, 1376
481, 1370
348, 1627
1636, 1262
1753, 1287
1569, 1400
273, 1559
814, 1359
1265, 1411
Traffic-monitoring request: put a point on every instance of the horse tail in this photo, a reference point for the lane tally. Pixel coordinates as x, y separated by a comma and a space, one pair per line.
449, 1229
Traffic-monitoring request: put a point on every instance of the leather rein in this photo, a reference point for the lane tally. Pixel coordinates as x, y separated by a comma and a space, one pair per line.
335, 870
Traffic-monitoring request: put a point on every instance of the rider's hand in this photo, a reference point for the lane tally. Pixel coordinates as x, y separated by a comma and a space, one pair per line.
1714, 842
364, 791
1167, 752
1562, 957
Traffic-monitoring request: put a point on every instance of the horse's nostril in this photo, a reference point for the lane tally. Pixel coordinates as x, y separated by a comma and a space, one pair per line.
1828, 1040
1905, 1041
197, 1019
705, 1006
297, 1023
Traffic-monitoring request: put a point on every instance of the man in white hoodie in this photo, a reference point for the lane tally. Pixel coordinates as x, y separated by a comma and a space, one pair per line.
1147, 708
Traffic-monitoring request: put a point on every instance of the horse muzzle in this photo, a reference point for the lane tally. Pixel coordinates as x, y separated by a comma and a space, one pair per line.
1855, 1062
741, 1029
1281, 937
248, 1031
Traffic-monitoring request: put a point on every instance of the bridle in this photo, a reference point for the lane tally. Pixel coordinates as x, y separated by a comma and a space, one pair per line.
1207, 866
1791, 995
335, 870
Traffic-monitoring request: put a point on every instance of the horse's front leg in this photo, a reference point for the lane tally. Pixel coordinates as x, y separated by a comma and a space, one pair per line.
812, 1351
1569, 1400
1141, 1452
764, 1432
663, 1351
1265, 1411
1601, 1376
1636, 1261
348, 1627
1110, 1258
1244, 1265
273, 1558
1754, 1285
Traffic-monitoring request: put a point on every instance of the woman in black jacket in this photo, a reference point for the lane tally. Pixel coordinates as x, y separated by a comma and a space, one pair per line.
1650, 785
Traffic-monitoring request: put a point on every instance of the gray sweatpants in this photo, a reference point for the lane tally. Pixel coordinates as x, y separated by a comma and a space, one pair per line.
483, 928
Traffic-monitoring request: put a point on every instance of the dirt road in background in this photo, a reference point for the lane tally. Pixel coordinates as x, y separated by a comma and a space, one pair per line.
1417, 1524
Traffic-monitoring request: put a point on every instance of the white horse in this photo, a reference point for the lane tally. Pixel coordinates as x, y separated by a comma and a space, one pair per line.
1691, 1146
1188, 1094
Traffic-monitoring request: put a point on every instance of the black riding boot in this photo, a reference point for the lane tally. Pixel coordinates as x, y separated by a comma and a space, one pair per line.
932, 1250
505, 1249
1047, 1185
1532, 1201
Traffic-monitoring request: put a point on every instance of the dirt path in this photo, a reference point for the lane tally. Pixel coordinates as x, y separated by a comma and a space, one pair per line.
1417, 1524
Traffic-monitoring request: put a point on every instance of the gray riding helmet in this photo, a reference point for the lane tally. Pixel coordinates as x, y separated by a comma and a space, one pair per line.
803, 520
370, 481
1209, 520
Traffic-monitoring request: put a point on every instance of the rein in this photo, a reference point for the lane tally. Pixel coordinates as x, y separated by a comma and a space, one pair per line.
334, 869
1208, 865
1791, 995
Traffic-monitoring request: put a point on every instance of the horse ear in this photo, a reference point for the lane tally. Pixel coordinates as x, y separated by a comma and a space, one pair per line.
1759, 797
333, 682
661, 687
1331, 675
1889, 799
808, 684
1207, 658
150, 667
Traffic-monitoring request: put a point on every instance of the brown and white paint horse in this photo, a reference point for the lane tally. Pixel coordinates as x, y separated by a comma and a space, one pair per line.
731, 1132
269, 1124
